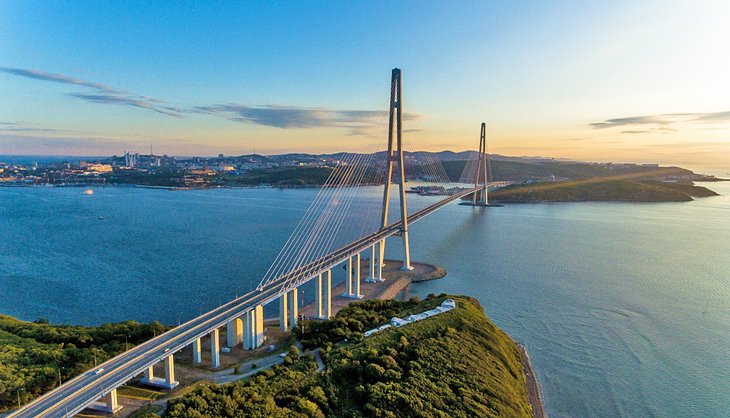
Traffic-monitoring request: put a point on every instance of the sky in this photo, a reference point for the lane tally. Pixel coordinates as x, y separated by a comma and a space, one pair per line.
622, 81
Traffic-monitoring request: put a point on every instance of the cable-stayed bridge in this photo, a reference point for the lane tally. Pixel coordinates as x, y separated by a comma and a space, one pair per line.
349, 217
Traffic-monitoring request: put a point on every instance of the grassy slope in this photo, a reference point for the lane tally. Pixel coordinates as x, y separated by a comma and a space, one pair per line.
456, 364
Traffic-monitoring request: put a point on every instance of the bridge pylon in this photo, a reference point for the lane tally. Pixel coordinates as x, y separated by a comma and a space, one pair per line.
483, 173
482, 170
395, 154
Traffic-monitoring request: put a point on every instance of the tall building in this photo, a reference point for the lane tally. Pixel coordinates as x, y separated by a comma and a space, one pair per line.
130, 160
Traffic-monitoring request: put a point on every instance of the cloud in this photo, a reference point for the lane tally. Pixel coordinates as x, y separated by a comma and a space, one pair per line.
634, 120
127, 101
24, 127
358, 122
103, 93
30, 129
713, 117
662, 122
58, 78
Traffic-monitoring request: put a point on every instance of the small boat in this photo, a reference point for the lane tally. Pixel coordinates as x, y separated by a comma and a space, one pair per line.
101, 218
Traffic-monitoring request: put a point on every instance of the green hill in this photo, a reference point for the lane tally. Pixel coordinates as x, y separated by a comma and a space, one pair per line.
600, 190
33, 354
523, 171
456, 364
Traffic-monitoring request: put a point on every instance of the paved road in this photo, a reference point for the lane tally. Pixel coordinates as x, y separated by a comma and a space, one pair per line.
76, 394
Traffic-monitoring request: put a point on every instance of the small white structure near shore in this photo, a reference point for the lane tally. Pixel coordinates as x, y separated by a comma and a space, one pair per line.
445, 306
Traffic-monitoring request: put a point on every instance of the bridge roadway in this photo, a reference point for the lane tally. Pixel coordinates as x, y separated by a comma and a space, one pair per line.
80, 392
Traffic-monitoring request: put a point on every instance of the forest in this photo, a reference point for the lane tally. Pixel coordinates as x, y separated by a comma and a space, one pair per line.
594, 190
35, 356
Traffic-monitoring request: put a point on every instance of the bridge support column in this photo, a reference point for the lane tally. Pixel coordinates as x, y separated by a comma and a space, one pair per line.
319, 314
348, 279
247, 330
253, 333
197, 355
259, 326
112, 405
381, 263
284, 312
109, 403
353, 278
294, 307
170, 372
215, 355
168, 382
406, 252
373, 262
233, 332
327, 294
356, 284
149, 375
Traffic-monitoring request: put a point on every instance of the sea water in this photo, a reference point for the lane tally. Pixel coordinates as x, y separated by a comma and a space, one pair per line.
624, 307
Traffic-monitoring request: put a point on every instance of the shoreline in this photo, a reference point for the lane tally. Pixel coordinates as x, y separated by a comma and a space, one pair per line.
533, 385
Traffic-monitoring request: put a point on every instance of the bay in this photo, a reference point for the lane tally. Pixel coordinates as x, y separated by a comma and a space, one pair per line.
624, 307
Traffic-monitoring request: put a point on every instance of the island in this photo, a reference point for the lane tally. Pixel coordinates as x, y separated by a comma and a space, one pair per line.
600, 190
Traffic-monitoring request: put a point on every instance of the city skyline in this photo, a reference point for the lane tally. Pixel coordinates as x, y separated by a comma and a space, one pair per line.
601, 82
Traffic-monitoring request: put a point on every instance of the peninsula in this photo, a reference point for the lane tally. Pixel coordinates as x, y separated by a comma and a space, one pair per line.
601, 190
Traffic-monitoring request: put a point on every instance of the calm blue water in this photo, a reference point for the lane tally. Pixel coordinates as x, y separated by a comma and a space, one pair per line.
625, 308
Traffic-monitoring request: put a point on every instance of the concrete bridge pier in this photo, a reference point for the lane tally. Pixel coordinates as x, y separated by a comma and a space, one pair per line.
253, 333
348, 279
356, 287
215, 355
381, 261
284, 312
371, 263
234, 332
197, 354
109, 403
168, 382
294, 307
324, 293
112, 403
376, 262
352, 285
327, 294
318, 312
